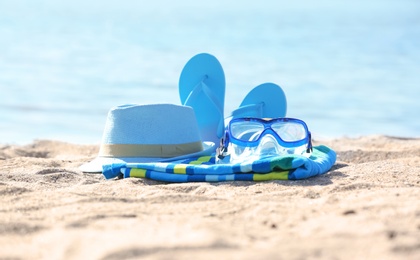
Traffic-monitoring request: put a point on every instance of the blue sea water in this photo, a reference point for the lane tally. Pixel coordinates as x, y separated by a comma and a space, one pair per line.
348, 68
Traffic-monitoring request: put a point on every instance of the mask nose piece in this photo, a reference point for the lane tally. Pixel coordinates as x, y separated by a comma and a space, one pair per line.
268, 146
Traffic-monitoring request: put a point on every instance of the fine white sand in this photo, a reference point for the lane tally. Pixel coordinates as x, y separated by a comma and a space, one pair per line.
366, 207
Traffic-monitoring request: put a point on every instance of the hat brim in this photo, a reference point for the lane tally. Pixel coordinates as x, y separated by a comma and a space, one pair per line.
95, 166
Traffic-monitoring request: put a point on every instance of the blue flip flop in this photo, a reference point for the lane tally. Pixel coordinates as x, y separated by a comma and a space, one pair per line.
264, 101
202, 86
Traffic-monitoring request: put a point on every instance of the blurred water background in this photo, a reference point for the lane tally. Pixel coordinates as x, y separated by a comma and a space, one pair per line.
348, 68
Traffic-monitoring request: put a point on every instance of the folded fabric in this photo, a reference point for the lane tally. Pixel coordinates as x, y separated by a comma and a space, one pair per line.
204, 169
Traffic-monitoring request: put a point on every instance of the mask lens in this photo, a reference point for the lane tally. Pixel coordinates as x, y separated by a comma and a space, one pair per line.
246, 130
289, 131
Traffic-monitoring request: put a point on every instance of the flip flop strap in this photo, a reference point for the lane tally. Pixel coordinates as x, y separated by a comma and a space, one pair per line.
202, 87
251, 110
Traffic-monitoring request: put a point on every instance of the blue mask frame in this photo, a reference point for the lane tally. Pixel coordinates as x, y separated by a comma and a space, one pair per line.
267, 123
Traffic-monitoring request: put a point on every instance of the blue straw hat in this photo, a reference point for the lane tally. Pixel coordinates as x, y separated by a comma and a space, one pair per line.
149, 133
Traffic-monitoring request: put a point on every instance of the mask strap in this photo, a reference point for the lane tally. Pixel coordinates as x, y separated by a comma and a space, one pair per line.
223, 147
309, 149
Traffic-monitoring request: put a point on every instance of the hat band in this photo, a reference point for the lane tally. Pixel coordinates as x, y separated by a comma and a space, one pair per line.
149, 150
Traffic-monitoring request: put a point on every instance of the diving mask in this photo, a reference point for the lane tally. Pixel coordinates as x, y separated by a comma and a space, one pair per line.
253, 138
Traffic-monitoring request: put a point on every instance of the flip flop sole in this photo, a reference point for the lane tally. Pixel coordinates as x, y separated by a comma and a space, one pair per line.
273, 98
198, 67
207, 99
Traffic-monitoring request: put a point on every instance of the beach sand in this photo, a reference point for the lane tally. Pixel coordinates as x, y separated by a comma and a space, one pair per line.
366, 207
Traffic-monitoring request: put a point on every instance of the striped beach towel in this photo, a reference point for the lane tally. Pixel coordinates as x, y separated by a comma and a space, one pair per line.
204, 169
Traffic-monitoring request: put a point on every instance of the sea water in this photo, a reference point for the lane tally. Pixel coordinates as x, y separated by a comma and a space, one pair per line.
348, 68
